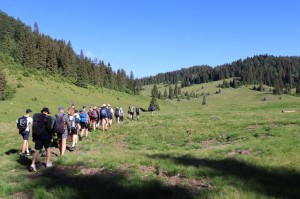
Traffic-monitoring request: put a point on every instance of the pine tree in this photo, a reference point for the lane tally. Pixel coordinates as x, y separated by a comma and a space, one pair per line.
154, 103
298, 85
171, 93
165, 94
154, 92
176, 91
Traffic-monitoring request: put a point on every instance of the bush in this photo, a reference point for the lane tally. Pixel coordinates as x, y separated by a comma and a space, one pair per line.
9, 92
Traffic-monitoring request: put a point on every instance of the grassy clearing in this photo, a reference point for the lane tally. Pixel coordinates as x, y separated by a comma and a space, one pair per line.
237, 146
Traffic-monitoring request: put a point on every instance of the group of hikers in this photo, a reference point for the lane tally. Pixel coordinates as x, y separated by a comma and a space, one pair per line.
73, 124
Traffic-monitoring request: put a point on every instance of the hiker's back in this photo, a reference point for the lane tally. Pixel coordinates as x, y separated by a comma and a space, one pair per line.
39, 124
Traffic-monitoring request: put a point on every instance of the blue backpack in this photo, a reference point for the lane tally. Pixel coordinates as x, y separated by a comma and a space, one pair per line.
83, 118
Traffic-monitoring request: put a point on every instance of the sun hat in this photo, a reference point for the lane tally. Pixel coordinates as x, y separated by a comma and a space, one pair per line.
28, 110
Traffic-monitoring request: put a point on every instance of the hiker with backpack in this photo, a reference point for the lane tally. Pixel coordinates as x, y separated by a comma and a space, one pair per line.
121, 115
74, 121
104, 117
61, 126
84, 122
110, 111
131, 112
137, 111
117, 114
23, 123
94, 117
41, 136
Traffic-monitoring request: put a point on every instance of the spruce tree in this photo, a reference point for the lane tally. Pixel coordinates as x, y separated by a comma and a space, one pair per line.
154, 103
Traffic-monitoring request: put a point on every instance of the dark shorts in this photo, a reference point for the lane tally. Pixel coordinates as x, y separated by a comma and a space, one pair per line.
74, 132
25, 135
40, 143
83, 125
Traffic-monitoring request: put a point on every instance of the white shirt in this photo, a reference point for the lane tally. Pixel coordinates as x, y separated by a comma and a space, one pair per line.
29, 121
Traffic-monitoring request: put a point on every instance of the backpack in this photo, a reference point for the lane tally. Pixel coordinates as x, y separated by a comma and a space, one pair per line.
103, 113
22, 123
131, 109
60, 124
117, 112
83, 118
94, 114
74, 122
39, 124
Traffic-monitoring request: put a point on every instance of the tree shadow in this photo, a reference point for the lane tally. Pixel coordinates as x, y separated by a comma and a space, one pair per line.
105, 184
274, 182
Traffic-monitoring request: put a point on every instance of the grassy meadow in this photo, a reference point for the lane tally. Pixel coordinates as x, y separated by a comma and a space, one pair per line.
236, 146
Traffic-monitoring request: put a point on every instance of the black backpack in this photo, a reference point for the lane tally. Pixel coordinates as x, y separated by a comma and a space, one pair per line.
39, 125
22, 123
59, 125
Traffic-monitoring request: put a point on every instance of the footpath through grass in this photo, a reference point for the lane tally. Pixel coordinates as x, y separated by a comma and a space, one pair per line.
237, 146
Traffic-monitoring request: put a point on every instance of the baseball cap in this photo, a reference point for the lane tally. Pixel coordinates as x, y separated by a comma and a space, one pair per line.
28, 110
45, 109
61, 108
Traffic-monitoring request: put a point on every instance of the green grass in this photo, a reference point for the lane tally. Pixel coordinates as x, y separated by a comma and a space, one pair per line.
236, 146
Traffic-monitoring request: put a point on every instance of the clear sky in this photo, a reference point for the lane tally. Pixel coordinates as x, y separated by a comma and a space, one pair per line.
153, 36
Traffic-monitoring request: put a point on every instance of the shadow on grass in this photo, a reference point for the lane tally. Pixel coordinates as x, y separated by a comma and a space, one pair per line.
105, 184
274, 182
11, 151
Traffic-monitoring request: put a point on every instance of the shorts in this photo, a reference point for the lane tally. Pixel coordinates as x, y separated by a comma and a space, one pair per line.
40, 143
63, 135
25, 135
83, 125
74, 132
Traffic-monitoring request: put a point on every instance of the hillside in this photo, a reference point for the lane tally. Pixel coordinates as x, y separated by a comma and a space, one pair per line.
236, 146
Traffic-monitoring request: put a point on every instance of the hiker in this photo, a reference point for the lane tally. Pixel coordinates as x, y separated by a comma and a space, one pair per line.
121, 115
93, 116
131, 112
117, 114
61, 126
110, 111
23, 125
84, 122
152, 109
42, 135
104, 117
74, 121
137, 111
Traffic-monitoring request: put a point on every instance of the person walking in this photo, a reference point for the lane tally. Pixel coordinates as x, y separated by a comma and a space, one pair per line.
137, 111
84, 122
41, 136
62, 127
23, 124
74, 121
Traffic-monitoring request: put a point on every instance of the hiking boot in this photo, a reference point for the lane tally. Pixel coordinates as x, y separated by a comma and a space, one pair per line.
48, 165
22, 155
32, 168
28, 153
72, 148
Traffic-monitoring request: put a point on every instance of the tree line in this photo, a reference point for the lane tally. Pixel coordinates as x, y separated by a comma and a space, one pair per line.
35, 50
281, 72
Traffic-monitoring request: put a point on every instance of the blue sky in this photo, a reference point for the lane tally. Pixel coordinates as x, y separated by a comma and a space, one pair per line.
153, 36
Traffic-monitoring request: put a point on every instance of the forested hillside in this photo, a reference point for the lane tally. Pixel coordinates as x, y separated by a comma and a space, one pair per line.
32, 49
280, 72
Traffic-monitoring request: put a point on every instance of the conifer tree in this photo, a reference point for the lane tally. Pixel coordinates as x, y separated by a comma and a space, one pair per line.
154, 103
171, 93
165, 94
154, 92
